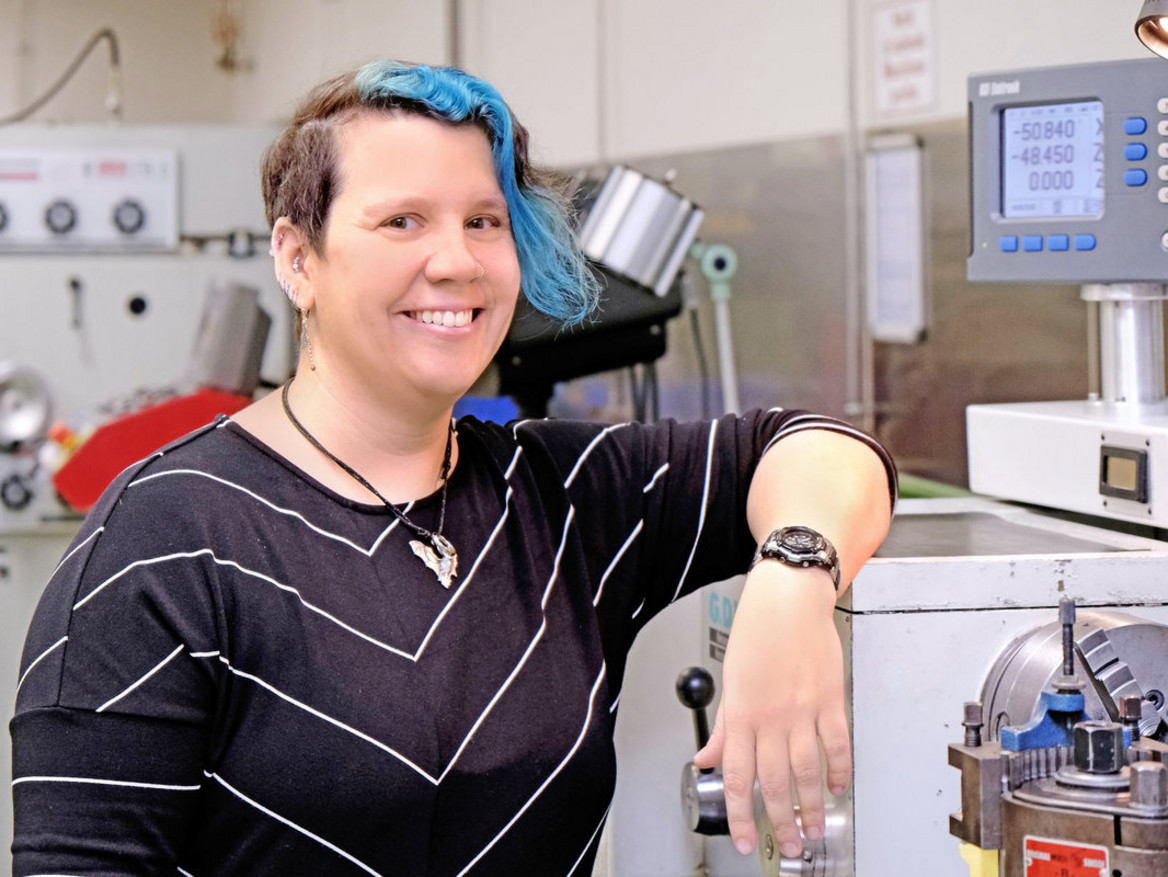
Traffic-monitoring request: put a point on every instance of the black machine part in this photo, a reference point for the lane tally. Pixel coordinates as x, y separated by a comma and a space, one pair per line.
628, 328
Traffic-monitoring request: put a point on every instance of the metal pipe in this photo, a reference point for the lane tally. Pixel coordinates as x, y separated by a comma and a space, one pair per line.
860, 403
1131, 341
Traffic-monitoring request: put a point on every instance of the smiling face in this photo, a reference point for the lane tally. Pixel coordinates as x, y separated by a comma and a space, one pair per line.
417, 278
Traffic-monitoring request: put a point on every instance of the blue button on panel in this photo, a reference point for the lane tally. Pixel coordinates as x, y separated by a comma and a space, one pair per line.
1135, 125
1059, 242
1032, 243
1084, 242
1135, 152
1008, 243
1135, 177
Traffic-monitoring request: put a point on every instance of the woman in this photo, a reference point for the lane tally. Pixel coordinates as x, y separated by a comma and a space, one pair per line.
339, 633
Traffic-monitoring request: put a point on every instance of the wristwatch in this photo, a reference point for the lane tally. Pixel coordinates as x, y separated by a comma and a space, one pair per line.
800, 546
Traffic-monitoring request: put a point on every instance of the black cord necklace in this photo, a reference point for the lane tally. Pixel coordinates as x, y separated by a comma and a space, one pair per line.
436, 552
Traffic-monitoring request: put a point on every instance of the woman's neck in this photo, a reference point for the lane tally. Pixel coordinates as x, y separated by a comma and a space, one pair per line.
397, 450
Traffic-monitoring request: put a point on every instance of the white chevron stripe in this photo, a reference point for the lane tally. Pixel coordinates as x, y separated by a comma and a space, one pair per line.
92, 781
37, 660
600, 436
514, 462
616, 559
153, 670
591, 841
559, 556
230, 563
77, 548
498, 694
368, 552
304, 831
327, 718
656, 475
417, 656
548, 781
702, 510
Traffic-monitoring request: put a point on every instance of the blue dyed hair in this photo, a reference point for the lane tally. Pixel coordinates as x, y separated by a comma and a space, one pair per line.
300, 173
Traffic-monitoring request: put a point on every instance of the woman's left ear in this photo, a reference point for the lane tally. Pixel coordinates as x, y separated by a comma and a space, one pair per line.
289, 254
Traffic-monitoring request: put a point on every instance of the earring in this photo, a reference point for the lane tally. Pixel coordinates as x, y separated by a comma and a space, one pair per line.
305, 341
296, 265
288, 290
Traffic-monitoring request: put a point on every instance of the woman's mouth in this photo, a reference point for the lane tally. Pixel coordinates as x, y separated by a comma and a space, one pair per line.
452, 319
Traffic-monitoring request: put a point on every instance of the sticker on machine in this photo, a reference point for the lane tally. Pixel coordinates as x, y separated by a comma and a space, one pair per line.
1044, 857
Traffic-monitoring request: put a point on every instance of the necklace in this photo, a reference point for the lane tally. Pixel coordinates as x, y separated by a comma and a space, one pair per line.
436, 551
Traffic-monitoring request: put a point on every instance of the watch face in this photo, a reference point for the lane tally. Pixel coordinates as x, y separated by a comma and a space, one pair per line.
801, 539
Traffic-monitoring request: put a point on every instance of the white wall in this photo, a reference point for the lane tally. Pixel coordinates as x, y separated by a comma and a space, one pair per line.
594, 80
168, 74
291, 45
988, 35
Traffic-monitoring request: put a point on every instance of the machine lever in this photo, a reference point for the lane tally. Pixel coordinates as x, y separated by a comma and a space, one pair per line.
702, 797
695, 689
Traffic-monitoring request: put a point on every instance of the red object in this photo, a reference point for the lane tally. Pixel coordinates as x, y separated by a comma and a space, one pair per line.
1044, 857
119, 443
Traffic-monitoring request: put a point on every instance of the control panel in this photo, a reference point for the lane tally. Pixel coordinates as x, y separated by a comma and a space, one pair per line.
1069, 174
75, 200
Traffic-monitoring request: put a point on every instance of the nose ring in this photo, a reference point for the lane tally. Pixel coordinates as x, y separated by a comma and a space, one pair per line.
482, 271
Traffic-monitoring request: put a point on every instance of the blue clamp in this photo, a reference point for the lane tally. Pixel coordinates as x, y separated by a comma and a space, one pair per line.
1051, 726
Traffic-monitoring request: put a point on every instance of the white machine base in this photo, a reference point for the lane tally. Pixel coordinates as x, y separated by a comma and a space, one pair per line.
1059, 455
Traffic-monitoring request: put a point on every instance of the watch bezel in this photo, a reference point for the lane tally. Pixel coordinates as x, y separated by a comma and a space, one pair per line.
800, 546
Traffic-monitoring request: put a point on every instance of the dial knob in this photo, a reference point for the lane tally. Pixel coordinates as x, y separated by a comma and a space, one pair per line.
15, 493
129, 216
60, 216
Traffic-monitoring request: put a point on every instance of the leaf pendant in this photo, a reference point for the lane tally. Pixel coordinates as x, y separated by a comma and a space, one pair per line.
443, 562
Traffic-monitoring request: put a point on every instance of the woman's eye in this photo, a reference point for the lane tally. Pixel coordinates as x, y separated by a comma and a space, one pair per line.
400, 222
480, 222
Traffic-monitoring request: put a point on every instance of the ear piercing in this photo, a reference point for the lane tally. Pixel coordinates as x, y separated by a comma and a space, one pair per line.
296, 265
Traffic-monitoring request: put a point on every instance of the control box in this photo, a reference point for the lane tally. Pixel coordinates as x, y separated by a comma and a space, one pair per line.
84, 200
1069, 171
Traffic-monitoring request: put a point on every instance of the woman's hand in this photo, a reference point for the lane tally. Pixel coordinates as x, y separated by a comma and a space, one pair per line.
782, 699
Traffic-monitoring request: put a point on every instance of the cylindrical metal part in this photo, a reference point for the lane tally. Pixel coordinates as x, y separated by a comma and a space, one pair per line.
703, 801
973, 722
1131, 710
1149, 786
1131, 341
640, 228
1067, 620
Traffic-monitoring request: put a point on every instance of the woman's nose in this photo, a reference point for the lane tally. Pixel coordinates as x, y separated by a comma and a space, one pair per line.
451, 258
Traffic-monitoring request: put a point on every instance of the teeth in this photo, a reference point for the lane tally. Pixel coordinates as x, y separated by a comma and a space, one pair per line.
445, 318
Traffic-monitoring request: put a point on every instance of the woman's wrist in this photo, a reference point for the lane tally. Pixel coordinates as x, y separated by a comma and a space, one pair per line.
786, 586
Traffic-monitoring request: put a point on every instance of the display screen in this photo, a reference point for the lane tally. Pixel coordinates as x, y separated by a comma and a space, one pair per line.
1052, 160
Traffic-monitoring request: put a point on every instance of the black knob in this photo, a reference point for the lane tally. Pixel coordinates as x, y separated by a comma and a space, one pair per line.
3, 217
60, 216
129, 216
15, 493
695, 689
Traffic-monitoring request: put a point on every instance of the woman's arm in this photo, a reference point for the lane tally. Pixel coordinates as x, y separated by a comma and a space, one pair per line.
783, 693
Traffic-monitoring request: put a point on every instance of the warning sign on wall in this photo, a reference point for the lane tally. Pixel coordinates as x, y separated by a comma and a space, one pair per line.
904, 77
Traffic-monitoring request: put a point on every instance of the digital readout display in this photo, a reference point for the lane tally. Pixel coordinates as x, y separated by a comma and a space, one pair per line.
1052, 160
